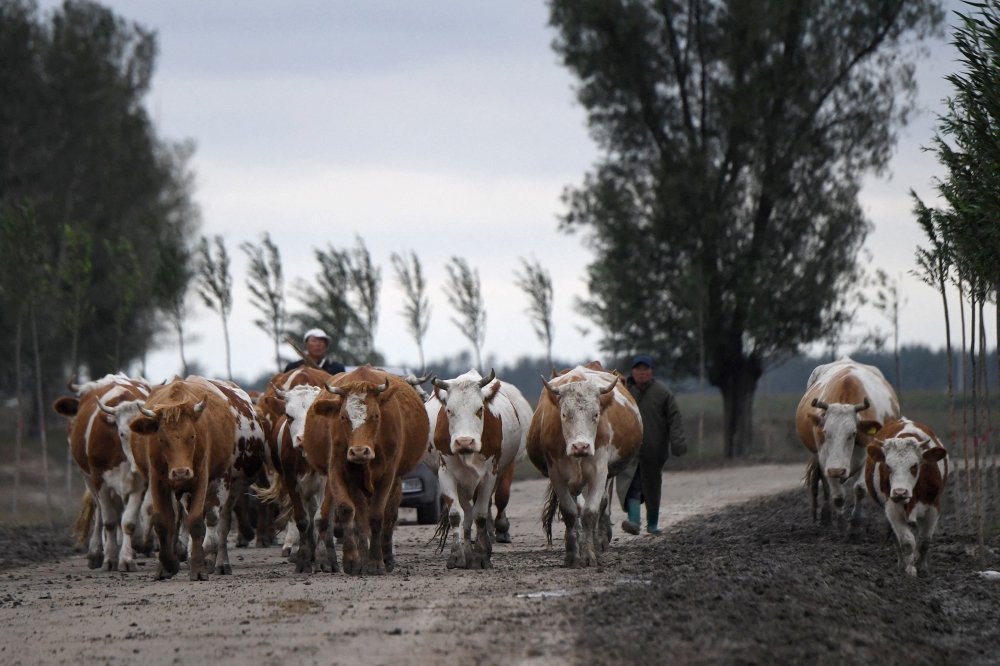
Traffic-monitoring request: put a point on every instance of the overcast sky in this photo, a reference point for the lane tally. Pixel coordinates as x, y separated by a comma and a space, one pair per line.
445, 127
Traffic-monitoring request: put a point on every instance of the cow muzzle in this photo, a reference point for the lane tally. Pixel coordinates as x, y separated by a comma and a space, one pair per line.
181, 474
900, 494
361, 455
836, 472
581, 449
464, 445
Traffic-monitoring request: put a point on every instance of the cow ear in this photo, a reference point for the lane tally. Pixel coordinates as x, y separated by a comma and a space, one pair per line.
816, 419
607, 398
275, 403
935, 454
67, 406
491, 392
388, 393
876, 453
143, 425
326, 407
869, 427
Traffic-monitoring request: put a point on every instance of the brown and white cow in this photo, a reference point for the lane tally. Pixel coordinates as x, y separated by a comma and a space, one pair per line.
845, 404
205, 442
906, 471
108, 468
378, 433
480, 426
586, 429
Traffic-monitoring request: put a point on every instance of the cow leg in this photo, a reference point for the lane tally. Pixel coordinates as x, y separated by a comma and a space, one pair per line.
502, 498
569, 511
341, 498
291, 538
483, 547
326, 535
604, 524
391, 517
197, 569
130, 518
860, 490
146, 523
266, 534
244, 530
896, 514
381, 532
826, 512
227, 498
460, 554
95, 549
925, 532
164, 524
594, 495
213, 507
111, 521
303, 516
183, 545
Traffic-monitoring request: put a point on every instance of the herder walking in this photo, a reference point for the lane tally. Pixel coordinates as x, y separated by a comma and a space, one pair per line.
663, 435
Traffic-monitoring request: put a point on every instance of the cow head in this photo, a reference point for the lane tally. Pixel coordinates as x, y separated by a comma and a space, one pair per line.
465, 401
903, 457
839, 428
360, 413
580, 407
121, 416
296, 402
176, 430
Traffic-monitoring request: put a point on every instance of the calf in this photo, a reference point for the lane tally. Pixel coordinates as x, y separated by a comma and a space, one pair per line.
587, 427
845, 404
481, 425
108, 468
906, 471
378, 432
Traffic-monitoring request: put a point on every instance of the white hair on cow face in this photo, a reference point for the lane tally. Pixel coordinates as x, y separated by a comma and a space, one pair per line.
298, 400
356, 409
579, 411
903, 457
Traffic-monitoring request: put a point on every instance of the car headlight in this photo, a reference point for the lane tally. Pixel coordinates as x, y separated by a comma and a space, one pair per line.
412, 485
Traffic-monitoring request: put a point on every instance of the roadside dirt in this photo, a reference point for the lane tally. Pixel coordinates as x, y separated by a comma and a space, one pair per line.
63, 612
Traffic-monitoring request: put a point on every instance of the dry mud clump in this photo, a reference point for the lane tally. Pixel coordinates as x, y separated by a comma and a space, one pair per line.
20, 546
762, 584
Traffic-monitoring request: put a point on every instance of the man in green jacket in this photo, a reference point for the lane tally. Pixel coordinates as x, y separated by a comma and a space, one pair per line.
662, 434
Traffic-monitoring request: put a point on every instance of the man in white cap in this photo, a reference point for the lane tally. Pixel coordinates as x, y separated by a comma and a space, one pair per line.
317, 342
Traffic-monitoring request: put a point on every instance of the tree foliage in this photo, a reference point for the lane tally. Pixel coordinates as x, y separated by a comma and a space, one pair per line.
416, 305
266, 283
465, 295
735, 136
536, 282
215, 286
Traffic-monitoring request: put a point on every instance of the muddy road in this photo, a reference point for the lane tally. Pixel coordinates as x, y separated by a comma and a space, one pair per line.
62, 612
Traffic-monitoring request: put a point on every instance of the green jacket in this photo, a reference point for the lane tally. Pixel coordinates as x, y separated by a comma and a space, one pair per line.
662, 425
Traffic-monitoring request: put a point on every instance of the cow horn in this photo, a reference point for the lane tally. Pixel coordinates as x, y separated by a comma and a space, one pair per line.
863, 406
486, 380
71, 386
610, 387
819, 403
200, 406
550, 387
441, 384
384, 387
278, 392
146, 412
336, 390
105, 408
555, 373
417, 381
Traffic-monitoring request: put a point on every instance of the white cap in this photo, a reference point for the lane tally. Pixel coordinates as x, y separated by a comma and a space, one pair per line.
315, 333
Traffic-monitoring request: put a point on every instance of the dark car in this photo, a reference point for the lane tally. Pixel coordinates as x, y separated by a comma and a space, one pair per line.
421, 492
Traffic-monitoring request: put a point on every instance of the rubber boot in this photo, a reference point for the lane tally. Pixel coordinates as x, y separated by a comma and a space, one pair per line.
652, 518
632, 524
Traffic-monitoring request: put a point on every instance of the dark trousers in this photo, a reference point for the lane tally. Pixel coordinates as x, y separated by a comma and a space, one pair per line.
645, 485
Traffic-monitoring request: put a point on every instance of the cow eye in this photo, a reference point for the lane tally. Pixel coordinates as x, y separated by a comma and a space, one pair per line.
375, 417
913, 470
479, 412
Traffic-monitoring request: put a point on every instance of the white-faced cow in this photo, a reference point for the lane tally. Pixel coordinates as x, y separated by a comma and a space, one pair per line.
906, 472
378, 433
480, 429
204, 441
845, 404
108, 468
586, 427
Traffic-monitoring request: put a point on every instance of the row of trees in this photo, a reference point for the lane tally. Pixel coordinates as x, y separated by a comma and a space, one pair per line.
344, 300
963, 236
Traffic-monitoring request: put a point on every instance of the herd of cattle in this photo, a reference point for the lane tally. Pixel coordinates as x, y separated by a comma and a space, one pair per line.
323, 457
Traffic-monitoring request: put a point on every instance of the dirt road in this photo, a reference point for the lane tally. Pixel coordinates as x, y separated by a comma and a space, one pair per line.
265, 614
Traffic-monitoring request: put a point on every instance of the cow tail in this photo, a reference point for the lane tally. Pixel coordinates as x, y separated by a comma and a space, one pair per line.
271, 494
549, 513
443, 528
81, 528
812, 482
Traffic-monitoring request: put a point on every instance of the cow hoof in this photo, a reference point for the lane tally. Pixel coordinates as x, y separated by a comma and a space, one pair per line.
826, 516
480, 563
210, 565
127, 565
375, 570
108, 565
303, 567
224, 570
286, 551
94, 560
182, 554
242, 541
573, 561
457, 560
503, 537
197, 575
390, 564
352, 567
164, 572
911, 571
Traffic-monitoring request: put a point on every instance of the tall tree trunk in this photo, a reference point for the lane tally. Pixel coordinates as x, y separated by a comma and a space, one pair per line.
766, 423
701, 377
738, 386
895, 353
951, 362
19, 426
965, 412
179, 325
420, 350
41, 417
479, 360
225, 334
987, 419
976, 426
277, 351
